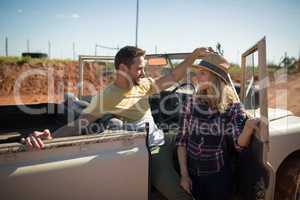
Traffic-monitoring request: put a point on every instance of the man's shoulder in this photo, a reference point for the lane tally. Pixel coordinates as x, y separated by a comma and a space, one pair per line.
146, 83
104, 92
107, 89
147, 80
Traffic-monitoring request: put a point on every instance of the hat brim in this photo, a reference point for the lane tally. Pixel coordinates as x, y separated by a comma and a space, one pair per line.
214, 69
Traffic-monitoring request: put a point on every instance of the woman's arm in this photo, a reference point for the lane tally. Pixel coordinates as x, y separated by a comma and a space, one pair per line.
181, 143
185, 181
243, 126
245, 136
182, 158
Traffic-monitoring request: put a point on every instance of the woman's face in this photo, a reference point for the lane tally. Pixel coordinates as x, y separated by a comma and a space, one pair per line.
203, 78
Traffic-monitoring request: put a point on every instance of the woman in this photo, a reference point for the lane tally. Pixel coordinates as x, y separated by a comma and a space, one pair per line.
211, 121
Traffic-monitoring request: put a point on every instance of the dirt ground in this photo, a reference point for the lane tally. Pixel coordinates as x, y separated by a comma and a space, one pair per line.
34, 87
286, 94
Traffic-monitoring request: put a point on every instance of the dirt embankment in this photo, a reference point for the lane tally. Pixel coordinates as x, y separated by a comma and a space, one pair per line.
285, 93
283, 90
33, 82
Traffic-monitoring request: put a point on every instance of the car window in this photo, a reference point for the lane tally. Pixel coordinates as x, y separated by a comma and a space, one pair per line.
157, 71
94, 73
251, 100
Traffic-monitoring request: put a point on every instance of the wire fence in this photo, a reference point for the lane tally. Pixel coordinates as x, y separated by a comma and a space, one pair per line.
49, 50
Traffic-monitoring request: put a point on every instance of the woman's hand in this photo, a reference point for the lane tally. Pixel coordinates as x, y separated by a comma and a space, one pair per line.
186, 184
250, 127
252, 124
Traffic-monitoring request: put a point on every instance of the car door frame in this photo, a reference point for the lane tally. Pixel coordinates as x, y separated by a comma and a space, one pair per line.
263, 136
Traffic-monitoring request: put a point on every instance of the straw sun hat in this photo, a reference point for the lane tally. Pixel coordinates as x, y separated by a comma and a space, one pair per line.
216, 64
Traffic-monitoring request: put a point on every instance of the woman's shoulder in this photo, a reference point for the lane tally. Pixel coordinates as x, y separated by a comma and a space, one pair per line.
236, 108
236, 105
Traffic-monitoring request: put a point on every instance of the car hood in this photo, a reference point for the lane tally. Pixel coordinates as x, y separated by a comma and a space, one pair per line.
276, 113
281, 120
273, 113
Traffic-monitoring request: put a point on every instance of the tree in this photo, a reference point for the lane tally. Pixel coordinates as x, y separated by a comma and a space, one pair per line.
288, 62
219, 49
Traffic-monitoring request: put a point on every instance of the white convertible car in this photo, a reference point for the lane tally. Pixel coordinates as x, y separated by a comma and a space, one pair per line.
115, 164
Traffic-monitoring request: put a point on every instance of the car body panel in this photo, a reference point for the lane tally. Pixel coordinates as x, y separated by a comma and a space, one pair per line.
284, 130
284, 139
114, 166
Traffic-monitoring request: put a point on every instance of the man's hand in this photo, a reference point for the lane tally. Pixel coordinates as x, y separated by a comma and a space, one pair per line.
180, 71
34, 140
201, 53
186, 184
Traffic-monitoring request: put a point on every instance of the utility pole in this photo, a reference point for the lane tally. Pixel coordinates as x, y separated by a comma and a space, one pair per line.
73, 50
49, 49
285, 60
238, 57
6, 46
137, 23
298, 61
28, 49
155, 49
95, 49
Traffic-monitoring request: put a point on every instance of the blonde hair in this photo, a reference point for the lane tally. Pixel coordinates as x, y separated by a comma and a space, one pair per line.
219, 95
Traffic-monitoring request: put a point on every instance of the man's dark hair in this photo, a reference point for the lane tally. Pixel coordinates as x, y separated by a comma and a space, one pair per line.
127, 54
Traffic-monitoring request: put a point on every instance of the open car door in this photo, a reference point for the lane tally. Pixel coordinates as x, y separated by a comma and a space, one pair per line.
255, 174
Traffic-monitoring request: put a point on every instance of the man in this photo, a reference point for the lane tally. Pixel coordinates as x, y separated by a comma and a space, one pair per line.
127, 99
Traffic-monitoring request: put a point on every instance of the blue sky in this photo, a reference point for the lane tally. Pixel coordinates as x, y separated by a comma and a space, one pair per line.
171, 25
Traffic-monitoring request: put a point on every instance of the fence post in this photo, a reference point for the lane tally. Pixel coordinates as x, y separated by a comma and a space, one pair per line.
28, 46
6, 46
74, 51
49, 49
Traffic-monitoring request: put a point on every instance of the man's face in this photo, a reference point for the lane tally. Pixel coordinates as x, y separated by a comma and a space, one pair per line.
136, 70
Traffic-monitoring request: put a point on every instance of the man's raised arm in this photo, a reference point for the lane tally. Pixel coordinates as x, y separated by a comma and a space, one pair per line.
179, 72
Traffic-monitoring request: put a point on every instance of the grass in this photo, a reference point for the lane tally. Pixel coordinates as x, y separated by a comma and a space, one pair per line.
22, 60
236, 69
32, 61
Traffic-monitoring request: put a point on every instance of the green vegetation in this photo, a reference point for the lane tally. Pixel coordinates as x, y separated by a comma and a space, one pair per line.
110, 65
234, 68
34, 61
23, 60
219, 49
290, 63
291, 68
